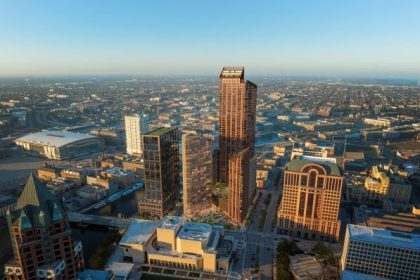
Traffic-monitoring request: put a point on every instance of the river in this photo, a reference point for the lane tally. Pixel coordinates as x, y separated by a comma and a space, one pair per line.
92, 236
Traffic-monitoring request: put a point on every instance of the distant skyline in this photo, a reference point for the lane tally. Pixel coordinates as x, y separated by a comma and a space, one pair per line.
371, 38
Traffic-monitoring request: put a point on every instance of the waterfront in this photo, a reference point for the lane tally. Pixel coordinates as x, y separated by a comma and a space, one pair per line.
92, 236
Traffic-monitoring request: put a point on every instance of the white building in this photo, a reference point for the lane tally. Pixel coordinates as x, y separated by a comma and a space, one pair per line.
135, 127
59, 145
382, 253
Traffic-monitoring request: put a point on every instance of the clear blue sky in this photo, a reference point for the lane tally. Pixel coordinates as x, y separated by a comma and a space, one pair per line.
314, 37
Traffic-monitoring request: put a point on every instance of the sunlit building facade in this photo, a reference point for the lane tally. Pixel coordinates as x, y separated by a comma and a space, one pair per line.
382, 253
161, 171
311, 200
135, 127
196, 173
42, 242
237, 115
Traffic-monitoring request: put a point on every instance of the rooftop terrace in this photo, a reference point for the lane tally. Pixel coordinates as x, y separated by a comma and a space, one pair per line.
159, 131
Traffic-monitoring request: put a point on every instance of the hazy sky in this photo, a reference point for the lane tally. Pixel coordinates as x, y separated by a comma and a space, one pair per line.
314, 37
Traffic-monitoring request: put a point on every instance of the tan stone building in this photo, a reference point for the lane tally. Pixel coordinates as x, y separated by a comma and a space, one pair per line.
378, 187
196, 173
311, 200
177, 244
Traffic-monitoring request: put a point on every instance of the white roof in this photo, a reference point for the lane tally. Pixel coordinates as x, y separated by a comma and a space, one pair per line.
139, 231
195, 231
121, 270
385, 237
55, 138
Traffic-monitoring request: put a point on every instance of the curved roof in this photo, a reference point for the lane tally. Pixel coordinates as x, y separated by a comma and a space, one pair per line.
195, 231
55, 138
297, 165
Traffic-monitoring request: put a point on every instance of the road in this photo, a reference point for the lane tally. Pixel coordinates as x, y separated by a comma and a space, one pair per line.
257, 249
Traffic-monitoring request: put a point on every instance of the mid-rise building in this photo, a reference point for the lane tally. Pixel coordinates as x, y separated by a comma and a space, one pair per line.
378, 187
161, 171
383, 253
135, 127
41, 238
311, 199
196, 173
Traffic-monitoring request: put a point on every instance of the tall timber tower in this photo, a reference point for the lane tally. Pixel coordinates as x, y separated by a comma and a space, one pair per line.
237, 114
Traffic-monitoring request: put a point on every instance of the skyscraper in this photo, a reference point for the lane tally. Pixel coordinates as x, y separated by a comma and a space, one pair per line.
161, 171
237, 115
196, 173
135, 127
311, 199
42, 243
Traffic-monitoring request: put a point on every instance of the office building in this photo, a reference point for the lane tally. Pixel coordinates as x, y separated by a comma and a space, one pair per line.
161, 171
135, 127
311, 199
383, 253
236, 161
41, 238
177, 244
196, 173
59, 145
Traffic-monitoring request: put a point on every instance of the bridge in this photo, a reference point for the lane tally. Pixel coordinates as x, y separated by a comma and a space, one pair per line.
108, 221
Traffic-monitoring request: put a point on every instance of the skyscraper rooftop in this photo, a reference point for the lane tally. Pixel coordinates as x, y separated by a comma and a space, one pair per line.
232, 72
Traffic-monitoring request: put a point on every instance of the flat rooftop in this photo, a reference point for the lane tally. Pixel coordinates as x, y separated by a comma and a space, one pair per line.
139, 231
385, 237
297, 165
89, 274
55, 138
159, 131
350, 275
195, 231
232, 72
170, 222
117, 171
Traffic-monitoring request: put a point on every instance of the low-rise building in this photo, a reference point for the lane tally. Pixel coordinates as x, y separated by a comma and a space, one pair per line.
92, 192
120, 176
48, 172
59, 145
90, 274
177, 244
